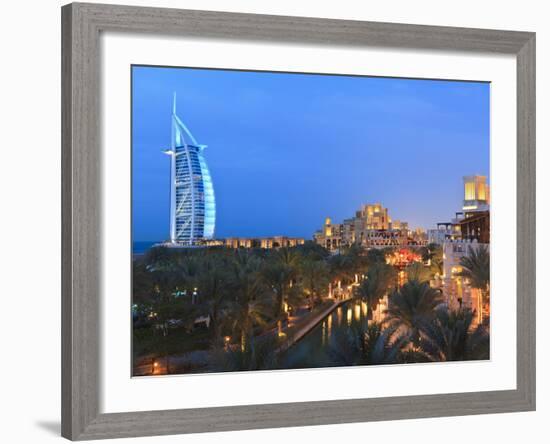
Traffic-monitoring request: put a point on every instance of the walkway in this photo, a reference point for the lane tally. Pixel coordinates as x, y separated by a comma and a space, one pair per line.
311, 324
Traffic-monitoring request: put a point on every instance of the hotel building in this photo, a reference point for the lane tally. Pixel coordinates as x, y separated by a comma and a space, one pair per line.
192, 201
255, 242
457, 289
470, 229
371, 227
445, 231
473, 222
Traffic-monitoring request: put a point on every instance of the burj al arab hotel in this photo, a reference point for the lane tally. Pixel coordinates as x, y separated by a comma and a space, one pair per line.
192, 201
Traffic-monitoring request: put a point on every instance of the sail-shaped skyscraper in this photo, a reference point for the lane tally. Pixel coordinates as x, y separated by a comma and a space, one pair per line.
192, 201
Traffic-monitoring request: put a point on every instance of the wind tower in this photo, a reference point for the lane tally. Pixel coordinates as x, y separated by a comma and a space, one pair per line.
476, 193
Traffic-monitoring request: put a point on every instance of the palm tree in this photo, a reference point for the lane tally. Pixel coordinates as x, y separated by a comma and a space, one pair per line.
449, 337
157, 257
340, 268
279, 273
142, 283
383, 346
261, 354
410, 307
375, 255
356, 259
375, 286
166, 308
371, 346
436, 266
212, 282
346, 346
434, 255
277, 277
476, 268
312, 250
250, 305
245, 315
315, 279
187, 275
418, 272
288, 257
430, 251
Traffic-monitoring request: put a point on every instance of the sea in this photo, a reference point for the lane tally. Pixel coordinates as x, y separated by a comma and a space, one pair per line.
141, 247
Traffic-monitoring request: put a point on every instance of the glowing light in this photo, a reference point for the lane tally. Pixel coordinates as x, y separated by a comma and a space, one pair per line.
481, 191
469, 191
357, 313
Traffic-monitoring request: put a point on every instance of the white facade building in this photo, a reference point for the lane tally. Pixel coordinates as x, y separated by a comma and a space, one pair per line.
192, 201
456, 288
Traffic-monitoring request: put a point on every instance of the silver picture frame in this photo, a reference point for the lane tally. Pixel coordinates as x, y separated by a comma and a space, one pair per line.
82, 25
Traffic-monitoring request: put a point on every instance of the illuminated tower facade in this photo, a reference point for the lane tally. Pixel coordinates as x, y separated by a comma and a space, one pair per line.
476, 193
192, 201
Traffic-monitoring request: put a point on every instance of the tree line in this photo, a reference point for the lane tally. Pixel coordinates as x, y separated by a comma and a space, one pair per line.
244, 293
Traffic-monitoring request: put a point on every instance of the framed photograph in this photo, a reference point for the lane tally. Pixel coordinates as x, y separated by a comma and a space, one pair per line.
279, 221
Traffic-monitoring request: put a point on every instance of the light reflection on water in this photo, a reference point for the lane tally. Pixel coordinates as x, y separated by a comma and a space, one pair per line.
316, 349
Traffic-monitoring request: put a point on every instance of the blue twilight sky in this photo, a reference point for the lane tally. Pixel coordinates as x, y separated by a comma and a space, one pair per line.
287, 150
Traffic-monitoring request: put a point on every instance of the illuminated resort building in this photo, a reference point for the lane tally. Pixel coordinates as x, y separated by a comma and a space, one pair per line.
372, 227
444, 231
472, 223
267, 243
192, 201
456, 288
469, 229
373, 217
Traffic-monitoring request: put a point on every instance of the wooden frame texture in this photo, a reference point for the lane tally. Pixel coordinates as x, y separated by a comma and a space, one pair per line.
81, 171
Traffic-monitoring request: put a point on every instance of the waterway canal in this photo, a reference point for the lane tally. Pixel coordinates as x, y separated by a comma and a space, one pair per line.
318, 347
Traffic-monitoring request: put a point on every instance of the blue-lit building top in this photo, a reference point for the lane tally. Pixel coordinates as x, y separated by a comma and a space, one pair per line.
192, 201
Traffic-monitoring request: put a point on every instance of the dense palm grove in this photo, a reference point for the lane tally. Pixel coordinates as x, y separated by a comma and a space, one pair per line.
219, 309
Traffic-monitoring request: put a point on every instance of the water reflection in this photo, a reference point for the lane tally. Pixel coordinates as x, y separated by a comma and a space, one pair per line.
316, 349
